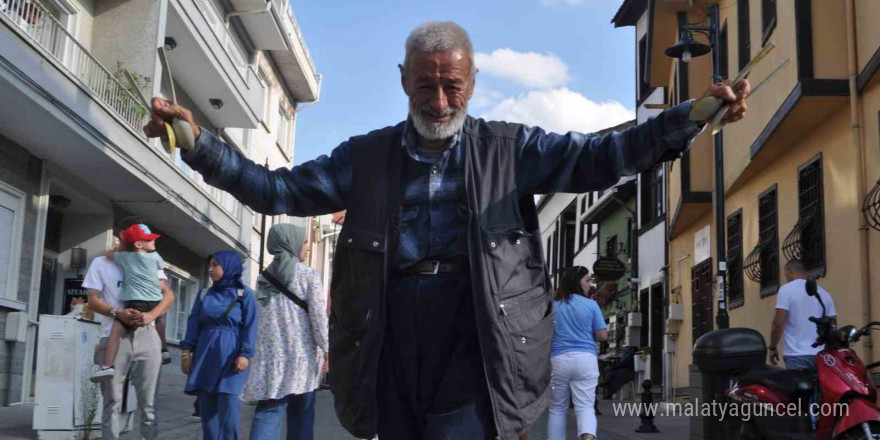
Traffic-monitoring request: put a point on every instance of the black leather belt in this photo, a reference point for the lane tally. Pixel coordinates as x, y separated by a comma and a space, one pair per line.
432, 267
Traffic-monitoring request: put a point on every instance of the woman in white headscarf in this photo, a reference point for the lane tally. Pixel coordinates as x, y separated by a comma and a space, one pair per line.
292, 341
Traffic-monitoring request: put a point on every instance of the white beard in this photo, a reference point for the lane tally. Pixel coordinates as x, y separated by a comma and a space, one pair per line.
437, 131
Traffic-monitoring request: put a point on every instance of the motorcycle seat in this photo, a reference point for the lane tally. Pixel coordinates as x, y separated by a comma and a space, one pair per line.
788, 381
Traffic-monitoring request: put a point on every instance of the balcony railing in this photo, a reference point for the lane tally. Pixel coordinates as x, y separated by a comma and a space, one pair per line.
230, 43
283, 8
38, 23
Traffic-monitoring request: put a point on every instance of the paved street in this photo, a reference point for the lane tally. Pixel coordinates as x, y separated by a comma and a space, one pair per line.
175, 409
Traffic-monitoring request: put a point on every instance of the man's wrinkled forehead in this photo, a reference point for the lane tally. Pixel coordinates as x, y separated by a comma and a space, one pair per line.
439, 61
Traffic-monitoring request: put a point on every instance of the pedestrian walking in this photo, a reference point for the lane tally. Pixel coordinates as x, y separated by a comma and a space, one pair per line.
139, 352
292, 342
791, 323
220, 334
441, 309
579, 325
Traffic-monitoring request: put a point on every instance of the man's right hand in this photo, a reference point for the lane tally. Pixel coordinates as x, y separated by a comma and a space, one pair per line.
128, 316
164, 112
774, 357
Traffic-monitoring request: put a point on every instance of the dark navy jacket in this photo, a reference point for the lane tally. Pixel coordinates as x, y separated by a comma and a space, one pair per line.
511, 289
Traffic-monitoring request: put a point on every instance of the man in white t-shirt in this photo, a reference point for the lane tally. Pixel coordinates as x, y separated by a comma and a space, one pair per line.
794, 307
140, 353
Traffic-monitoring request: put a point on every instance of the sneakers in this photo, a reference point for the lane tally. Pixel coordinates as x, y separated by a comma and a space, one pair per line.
103, 375
166, 356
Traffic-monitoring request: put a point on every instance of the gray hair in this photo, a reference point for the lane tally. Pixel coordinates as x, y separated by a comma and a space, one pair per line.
439, 36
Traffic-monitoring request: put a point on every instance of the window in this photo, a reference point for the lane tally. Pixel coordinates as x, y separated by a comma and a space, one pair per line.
768, 19
185, 290
642, 73
811, 217
735, 297
768, 237
723, 53
264, 78
11, 229
652, 195
743, 29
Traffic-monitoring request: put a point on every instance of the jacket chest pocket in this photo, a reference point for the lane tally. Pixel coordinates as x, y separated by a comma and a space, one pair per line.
514, 257
358, 273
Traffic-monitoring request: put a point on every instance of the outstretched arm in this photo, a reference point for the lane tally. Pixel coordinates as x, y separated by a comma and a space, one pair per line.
577, 163
316, 187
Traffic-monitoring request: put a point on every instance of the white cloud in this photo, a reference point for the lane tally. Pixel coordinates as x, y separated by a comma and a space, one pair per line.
533, 70
560, 110
484, 97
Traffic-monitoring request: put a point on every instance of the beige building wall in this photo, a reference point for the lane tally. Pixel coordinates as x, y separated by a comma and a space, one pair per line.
747, 177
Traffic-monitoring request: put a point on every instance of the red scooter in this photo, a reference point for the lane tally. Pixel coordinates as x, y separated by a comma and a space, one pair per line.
846, 404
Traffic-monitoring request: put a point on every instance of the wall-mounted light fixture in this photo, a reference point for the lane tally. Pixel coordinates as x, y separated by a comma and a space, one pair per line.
216, 103
170, 43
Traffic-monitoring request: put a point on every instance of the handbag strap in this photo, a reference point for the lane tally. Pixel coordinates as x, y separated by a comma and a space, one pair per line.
238, 300
283, 289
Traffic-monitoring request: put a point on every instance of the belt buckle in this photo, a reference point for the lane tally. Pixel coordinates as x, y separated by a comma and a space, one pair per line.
434, 271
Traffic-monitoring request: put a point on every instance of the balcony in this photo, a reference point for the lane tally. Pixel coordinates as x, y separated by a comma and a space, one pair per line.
34, 20
86, 124
210, 64
295, 63
263, 21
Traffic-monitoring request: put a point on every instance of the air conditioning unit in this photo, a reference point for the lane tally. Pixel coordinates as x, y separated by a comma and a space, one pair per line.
634, 319
676, 312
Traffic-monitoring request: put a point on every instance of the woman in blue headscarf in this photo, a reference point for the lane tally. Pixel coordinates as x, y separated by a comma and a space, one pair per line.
220, 336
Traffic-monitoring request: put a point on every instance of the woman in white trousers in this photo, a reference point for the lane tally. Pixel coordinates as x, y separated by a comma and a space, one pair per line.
579, 325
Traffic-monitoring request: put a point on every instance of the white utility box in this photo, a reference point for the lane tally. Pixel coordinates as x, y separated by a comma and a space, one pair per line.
640, 363
633, 337
65, 400
634, 319
16, 327
676, 312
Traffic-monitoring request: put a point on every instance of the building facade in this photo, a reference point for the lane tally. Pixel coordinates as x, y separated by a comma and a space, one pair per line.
74, 160
796, 171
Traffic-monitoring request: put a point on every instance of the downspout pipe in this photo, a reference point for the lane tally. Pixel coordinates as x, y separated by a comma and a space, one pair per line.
859, 148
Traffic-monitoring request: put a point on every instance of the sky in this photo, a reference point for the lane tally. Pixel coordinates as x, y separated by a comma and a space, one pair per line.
557, 64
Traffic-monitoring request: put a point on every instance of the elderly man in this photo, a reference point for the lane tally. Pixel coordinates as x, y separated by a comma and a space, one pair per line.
441, 308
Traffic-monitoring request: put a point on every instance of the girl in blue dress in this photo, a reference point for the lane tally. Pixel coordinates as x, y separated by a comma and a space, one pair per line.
220, 336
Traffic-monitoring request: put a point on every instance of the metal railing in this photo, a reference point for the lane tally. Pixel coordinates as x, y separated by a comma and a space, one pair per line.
283, 8
231, 45
38, 23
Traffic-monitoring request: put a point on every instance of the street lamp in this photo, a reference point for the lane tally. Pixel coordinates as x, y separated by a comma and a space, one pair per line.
685, 49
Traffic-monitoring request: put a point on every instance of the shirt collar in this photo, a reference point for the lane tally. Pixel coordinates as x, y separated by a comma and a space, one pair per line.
410, 143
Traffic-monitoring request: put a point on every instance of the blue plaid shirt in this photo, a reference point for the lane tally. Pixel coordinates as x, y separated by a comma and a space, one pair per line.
433, 219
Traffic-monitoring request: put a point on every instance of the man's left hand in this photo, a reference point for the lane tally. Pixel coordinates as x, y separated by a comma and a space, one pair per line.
147, 318
734, 97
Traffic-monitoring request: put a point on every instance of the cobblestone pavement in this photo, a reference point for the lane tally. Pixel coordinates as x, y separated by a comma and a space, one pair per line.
176, 421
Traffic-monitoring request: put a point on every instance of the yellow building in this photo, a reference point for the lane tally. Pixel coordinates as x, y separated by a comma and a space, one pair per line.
796, 170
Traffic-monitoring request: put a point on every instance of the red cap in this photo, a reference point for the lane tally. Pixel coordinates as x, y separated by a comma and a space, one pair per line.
138, 232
